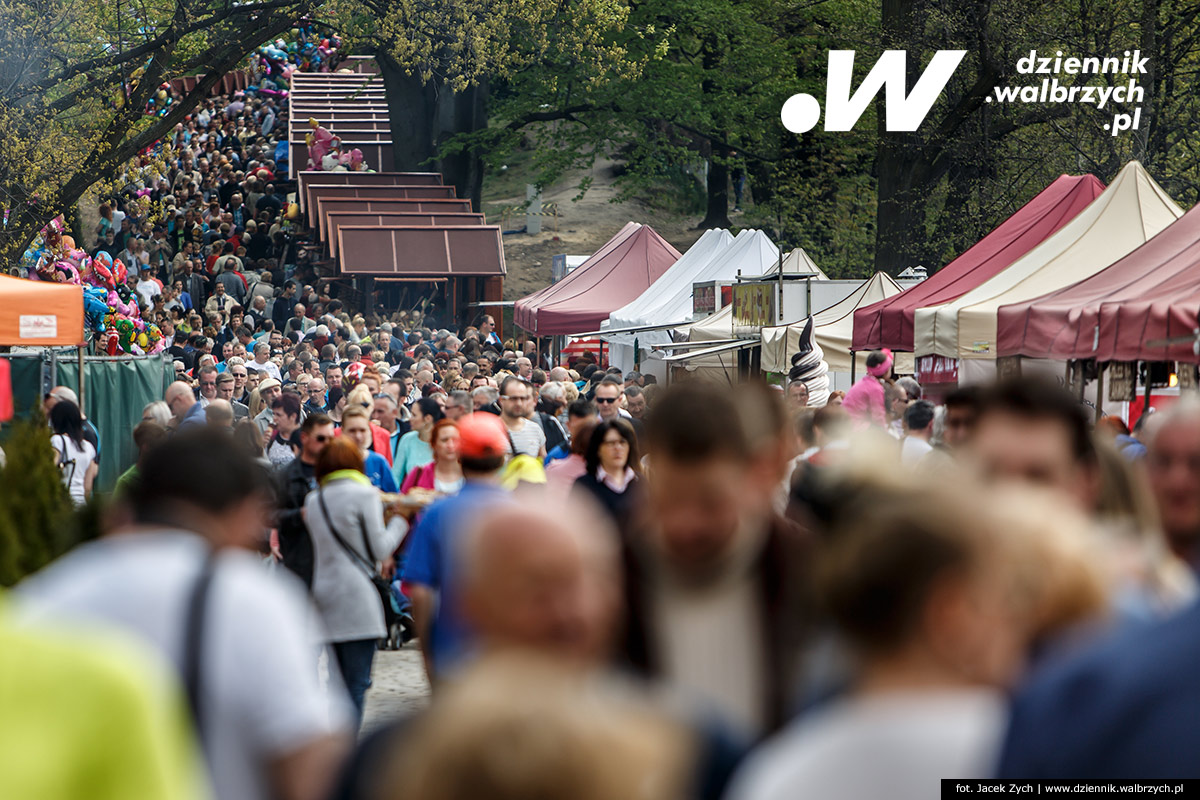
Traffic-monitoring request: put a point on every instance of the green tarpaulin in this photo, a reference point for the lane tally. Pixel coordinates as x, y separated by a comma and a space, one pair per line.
116, 391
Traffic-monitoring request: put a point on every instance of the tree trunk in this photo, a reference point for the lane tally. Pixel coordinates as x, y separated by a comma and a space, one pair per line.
900, 159
903, 191
423, 116
717, 213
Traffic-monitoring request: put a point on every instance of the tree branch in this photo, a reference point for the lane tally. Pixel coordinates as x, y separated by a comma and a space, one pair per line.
172, 34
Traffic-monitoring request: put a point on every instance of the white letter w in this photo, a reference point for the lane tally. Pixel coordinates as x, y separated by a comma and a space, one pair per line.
904, 113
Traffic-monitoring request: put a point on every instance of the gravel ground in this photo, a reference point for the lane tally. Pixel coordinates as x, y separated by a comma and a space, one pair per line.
398, 686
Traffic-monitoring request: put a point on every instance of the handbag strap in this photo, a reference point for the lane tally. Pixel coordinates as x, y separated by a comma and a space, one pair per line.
195, 616
369, 566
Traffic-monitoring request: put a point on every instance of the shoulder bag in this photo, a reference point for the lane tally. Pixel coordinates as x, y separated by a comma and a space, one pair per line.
381, 584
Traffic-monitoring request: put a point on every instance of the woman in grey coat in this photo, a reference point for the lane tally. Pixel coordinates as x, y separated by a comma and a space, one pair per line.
346, 505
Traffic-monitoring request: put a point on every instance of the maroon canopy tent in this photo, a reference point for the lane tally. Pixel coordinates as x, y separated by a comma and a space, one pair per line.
1064, 324
889, 323
615, 274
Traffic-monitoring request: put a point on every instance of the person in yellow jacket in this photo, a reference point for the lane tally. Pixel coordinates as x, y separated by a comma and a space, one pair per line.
88, 717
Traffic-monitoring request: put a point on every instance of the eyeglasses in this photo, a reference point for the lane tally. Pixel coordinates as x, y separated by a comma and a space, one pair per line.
606, 400
515, 397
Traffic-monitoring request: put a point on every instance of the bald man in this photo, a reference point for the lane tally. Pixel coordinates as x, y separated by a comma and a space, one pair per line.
185, 409
219, 414
559, 583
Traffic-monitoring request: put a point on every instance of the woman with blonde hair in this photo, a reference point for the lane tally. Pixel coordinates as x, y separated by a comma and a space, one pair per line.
381, 441
941, 594
255, 404
1150, 582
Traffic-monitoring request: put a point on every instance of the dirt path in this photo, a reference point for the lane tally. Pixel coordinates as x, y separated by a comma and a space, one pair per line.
583, 226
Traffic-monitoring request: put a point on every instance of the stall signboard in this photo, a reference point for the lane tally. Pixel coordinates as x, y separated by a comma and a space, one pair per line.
937, 369
754, 305
709, 297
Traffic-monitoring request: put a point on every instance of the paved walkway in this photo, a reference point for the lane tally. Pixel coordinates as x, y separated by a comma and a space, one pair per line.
398, 686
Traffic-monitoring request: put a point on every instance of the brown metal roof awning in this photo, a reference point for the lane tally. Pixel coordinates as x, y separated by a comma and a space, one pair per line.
306, 178
390, 219
421, 251
426, 205
319, 191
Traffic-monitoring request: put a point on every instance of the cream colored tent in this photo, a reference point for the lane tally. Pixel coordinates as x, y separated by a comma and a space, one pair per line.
1130, 211
833, 328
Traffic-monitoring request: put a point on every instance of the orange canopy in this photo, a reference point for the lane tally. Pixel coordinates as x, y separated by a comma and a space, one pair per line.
40, 313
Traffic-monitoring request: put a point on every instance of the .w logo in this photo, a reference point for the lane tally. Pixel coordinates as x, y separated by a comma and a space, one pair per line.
802, 112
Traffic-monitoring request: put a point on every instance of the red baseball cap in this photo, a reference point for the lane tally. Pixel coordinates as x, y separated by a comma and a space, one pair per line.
482, 435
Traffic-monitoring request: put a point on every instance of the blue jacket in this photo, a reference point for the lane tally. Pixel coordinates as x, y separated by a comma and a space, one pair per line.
1128, 708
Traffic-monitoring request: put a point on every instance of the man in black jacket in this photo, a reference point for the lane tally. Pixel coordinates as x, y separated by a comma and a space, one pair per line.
293, 483
285, 305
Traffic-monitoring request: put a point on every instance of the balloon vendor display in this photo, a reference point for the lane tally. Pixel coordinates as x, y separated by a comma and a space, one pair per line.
111, 309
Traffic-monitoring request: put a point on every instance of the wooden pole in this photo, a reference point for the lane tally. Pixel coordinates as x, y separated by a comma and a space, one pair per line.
1100, 391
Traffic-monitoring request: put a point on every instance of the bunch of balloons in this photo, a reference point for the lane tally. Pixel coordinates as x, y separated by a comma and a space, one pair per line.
110, 307
160, 104
305, 52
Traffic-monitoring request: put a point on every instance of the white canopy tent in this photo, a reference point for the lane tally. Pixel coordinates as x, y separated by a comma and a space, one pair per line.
667, 300
751, 252
797, 264
1130, 211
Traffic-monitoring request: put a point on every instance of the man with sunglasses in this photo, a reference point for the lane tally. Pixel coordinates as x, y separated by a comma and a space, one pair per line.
608, 401
225, 391
295, 480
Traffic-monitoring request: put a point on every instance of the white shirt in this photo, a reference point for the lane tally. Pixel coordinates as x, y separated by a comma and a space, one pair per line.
913, 450
721, 674
149, 290
259, 680
529, 439
270, 367
73, 462
896, 746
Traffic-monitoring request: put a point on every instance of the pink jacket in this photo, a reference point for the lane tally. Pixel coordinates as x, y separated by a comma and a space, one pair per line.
866, 402
419, 478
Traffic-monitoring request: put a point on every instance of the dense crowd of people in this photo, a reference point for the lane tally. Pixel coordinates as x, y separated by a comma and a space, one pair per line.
619, 589
622, 589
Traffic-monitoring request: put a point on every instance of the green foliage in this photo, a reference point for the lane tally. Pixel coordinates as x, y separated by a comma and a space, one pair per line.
75, 78
37, 519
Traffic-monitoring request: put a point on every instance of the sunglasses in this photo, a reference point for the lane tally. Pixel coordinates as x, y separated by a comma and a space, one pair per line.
322, 438
606, 400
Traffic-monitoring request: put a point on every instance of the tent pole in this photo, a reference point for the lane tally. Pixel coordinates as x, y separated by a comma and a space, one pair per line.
81, 386
1146, 402
1100, 391
853, 366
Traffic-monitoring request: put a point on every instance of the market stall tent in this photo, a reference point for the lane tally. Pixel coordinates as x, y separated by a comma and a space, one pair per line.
1156, 283
1129, 212
833, 330
38, 313
669, 299
616, 274
889, 323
